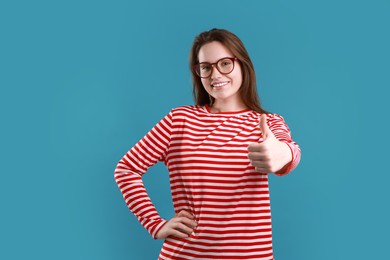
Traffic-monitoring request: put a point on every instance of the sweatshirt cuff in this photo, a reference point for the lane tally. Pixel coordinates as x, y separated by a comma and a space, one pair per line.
157, 228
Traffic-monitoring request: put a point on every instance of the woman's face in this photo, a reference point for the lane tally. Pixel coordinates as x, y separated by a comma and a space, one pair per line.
223, 87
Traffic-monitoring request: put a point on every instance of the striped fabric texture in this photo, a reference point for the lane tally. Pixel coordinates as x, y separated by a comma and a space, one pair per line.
211, 177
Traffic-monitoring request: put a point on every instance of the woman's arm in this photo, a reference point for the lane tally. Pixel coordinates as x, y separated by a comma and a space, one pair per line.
129, 170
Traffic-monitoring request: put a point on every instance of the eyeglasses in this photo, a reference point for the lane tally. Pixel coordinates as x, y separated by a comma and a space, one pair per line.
224, 66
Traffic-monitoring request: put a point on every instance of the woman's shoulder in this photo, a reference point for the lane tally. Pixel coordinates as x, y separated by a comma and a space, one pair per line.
187, 109
271, 116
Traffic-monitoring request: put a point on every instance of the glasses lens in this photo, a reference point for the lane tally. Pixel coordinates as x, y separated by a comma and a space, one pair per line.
225, 66
204, 69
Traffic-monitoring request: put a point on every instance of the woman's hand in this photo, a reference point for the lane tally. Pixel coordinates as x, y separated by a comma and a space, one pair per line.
271, 155
181, 225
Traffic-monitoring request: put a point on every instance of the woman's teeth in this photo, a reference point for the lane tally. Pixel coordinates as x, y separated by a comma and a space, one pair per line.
219, 84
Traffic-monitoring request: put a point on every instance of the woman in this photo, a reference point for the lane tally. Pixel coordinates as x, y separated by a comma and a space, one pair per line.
218, 154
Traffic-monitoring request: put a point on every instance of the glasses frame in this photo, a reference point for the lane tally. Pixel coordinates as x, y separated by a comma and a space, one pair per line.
214, 65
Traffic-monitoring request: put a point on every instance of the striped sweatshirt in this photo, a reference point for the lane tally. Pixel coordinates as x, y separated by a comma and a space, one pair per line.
211, 177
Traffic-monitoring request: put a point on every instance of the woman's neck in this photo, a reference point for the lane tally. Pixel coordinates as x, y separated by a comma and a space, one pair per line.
220, 106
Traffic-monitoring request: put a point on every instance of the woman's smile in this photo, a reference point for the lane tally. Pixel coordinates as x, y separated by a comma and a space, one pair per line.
219, 85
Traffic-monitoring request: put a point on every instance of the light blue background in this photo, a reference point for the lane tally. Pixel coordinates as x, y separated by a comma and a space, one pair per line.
82, 81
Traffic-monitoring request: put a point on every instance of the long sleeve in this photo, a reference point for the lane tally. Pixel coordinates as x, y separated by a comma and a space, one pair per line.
282, 132
129, 170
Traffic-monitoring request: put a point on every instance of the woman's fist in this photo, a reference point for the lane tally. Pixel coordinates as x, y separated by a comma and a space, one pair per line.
271, 155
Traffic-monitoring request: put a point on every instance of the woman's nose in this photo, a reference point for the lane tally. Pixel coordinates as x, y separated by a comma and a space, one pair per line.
215, 72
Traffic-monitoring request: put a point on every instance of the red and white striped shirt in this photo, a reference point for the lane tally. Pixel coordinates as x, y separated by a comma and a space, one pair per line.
211, 177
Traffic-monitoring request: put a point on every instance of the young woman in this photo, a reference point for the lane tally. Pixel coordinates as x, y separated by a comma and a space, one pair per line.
218, 154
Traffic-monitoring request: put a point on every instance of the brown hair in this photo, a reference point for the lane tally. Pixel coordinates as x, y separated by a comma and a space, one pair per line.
248, 89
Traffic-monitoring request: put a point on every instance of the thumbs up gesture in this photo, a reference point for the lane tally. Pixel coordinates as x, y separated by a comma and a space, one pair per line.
271, 155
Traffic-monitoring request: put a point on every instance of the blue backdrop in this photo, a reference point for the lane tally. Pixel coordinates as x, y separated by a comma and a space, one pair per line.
82, 81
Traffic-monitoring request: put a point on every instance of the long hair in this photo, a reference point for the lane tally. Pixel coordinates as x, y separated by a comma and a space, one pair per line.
248, 89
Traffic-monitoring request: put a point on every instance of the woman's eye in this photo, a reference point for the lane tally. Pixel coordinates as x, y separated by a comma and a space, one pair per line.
205, 67
226, 63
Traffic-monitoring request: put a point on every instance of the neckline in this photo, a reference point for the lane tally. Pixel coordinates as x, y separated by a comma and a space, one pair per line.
243, 111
